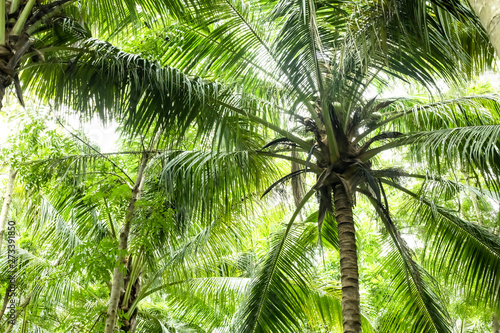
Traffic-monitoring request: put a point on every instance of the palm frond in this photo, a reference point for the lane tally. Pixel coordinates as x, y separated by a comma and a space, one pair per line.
472, 147
323, 310
438, 186
274, 300
385, 34
195, 178
208, 302
412, 305
467, 253
110, 16
412, 286
114, 82
408, 115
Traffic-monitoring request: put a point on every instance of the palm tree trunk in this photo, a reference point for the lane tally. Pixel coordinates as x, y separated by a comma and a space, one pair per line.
121, 265
118, 282
488, 12
7, 200
298, 185
495, 325
351, 315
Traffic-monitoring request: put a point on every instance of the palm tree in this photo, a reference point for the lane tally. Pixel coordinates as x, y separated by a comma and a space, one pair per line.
310, 64
64, 219
28, 29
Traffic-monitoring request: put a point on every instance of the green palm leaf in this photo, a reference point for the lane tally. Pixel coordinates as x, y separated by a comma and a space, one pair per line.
415, 302
275, 294
467, 253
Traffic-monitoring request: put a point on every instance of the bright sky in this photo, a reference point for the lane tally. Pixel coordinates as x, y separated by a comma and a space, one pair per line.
104, 136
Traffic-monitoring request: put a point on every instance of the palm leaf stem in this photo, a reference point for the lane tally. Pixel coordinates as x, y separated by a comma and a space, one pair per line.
102, 172
332, 142
381, 173
473, 197
111, 223
250, 61
55, 8
283, 69
14, 5
96, 321
98, 152
472, 190
314, 38
161, 287
51, 49
136, 262
2, 22
269, 125
313, 32
90, 156
440, 210
466, 252
310, 165
394, 144
134, 276
18, 27
438, 320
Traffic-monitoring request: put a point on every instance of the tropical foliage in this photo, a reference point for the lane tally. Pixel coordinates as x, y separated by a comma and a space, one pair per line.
190, 225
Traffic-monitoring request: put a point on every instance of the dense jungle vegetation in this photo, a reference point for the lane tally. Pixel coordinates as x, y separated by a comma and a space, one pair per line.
249, 166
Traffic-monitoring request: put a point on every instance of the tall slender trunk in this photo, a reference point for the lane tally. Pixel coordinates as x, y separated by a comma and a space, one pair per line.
117, 284
7, 200
495, 327
298, 185
488, 12
121, 264
351, 315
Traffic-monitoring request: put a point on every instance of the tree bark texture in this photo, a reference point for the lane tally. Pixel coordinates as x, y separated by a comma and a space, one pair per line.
7, 200
351, 315
495, 327
488, 12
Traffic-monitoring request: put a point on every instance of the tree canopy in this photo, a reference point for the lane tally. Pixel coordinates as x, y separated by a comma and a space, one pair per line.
264, 181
